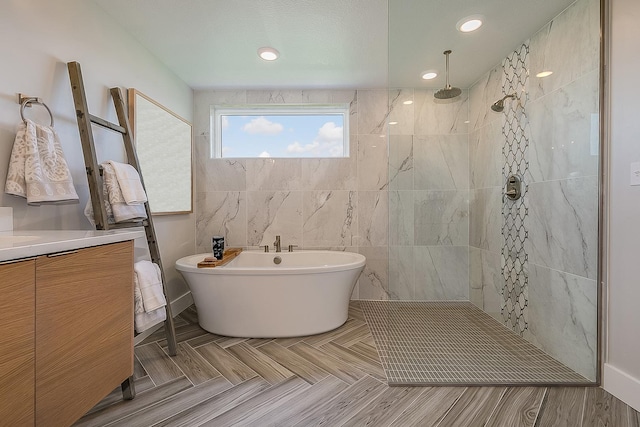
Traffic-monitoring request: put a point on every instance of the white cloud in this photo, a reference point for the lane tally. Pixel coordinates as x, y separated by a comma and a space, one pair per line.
225, 122
336, 151
328, 143
296, 147
262, 126
264, 154
330, 133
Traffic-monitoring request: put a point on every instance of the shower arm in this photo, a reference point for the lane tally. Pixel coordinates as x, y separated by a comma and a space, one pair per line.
447, 85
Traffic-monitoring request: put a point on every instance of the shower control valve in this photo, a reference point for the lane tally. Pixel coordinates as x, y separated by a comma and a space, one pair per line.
514, 187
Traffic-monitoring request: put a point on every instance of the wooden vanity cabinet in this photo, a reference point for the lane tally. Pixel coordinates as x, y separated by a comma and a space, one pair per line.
84, 329
67, 340
17, 343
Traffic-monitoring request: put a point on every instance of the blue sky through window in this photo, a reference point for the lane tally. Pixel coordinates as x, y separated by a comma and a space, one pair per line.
282, 135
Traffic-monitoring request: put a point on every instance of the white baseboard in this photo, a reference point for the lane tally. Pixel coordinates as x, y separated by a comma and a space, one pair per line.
622, 385
178, 305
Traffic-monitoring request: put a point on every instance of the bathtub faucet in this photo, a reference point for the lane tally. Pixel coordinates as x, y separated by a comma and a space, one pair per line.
276, 244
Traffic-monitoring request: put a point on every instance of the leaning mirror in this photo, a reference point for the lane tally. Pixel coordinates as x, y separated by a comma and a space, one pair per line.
163, 144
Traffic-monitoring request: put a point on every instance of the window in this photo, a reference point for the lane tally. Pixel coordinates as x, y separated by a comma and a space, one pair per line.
307, 130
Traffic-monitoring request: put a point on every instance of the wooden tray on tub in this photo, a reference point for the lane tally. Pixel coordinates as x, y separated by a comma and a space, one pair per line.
229, 254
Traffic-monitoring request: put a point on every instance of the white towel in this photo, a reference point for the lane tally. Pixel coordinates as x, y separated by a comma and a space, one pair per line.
144, 321
130, 184
137, 296
114, 203
121, 210
38, 170
150, 282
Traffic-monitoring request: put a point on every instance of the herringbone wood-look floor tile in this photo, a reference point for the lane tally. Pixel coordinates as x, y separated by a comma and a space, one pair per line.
332, 379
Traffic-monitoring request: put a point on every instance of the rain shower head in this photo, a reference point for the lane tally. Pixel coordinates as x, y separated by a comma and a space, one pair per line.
448, 91
498, 106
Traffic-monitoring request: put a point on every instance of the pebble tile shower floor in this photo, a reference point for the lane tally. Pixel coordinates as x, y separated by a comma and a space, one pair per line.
455, 343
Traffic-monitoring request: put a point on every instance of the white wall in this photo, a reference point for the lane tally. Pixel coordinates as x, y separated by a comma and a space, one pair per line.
37, 39
622, 368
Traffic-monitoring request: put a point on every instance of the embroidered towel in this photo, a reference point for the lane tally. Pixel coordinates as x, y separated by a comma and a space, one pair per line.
150, 282
130, 184
38, 170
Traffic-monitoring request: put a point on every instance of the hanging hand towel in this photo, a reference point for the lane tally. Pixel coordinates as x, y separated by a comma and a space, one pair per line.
38, 170
130, 184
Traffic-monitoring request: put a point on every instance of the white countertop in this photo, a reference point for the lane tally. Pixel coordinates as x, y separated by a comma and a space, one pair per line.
18, 244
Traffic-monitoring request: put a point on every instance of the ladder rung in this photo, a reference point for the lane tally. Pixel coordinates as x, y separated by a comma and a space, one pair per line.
106, 124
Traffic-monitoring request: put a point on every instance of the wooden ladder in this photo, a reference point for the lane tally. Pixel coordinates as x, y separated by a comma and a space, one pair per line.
95, 179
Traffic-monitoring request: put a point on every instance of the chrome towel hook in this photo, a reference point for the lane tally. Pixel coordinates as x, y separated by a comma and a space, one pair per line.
26, 101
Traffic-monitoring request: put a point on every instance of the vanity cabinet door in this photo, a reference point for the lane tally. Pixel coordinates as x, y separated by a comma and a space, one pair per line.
17, 321
84, 329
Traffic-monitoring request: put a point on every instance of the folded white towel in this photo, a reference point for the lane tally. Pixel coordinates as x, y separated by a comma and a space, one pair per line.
114, 203
144, 321
38, 170
150, 283
121, 210
130, 184
137, 296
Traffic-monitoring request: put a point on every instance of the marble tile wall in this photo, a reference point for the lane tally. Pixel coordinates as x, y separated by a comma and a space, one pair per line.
428, 196
340, 204
409, 190
562, 112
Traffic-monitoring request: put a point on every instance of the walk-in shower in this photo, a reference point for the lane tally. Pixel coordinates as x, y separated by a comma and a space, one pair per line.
493, 217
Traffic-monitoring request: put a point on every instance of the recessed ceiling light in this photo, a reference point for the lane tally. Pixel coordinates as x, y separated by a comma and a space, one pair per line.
544, 74
393, 123
268, 53
428, 75
409, 102
470, 23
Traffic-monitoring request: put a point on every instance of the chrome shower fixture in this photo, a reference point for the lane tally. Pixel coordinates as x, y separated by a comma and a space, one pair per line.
498, 106
448, 91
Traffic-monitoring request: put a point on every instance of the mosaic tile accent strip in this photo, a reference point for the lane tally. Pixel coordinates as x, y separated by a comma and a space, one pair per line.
514, 213
456, 343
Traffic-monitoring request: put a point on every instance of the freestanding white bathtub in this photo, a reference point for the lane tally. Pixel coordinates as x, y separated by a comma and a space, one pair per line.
254, 296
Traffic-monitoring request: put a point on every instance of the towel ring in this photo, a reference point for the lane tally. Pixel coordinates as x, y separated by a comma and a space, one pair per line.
28, 101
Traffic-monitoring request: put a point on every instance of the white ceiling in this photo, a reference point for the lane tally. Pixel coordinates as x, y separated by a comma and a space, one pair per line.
328, 43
